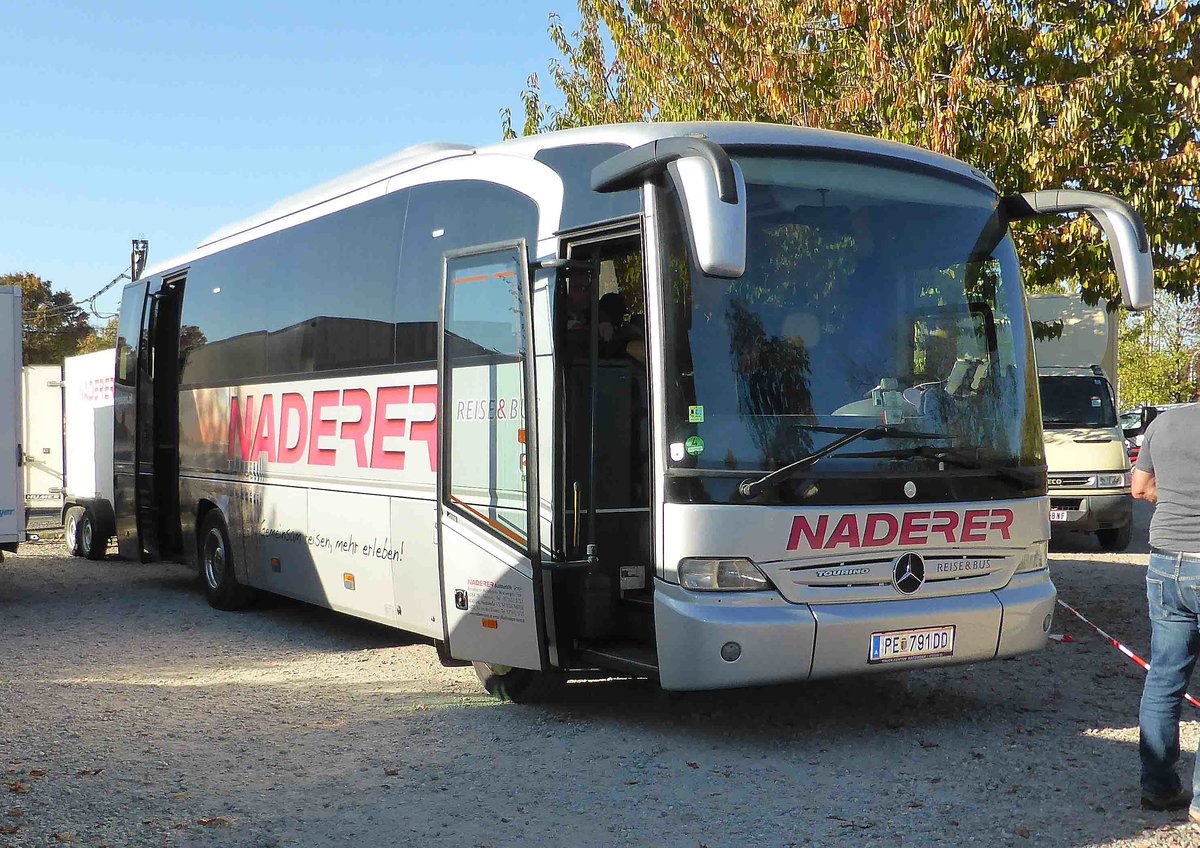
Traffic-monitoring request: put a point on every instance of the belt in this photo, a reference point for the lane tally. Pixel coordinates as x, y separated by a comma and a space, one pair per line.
1183, 556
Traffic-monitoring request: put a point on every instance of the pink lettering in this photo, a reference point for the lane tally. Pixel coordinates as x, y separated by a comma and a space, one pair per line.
356, 431
264, 436
241, 430
914, 529
846, 533
891, 526
385, 426
1002, 520
800, 528
292, 406
974, 526
944, 522
426, 431
322, 426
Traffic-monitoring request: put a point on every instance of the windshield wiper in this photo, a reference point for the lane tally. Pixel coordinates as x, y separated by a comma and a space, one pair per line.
960, 458
750, 488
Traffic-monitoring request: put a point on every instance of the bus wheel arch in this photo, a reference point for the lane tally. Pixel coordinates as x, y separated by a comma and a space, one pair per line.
216, 558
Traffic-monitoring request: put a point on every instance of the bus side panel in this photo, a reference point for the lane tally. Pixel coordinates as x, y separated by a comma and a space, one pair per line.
415, 581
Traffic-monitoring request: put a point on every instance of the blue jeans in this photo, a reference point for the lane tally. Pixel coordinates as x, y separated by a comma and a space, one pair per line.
1173, 591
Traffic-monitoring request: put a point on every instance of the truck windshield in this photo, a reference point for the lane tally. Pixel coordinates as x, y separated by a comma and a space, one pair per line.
871, 295
1076, 401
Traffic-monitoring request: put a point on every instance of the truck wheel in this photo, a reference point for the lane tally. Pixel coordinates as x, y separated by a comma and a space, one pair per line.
92, 544
221, 585
519, 685
71, 530
1115, 538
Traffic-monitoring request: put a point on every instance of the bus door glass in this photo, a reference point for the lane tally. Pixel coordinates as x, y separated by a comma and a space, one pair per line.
487, 485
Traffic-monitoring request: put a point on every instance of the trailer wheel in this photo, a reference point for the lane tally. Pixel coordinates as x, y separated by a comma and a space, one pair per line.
92, 544
1115, 538
71, 530
519, 685
221, 585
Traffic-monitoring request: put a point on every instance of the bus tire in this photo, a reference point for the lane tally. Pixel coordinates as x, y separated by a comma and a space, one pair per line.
71, 529
221, 586
92, 543
518, 685
1115, 538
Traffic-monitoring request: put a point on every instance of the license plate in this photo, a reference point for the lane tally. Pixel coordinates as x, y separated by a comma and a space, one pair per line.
1058, 515
909, 644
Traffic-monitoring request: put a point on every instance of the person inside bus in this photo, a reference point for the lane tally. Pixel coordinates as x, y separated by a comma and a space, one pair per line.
620, 337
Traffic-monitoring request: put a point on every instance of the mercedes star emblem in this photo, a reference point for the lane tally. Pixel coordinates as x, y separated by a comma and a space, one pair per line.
908, 575
910, 489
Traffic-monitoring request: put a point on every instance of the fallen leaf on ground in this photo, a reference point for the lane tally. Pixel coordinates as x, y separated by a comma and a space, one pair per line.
631, 783
88, 772
391, 772
215, 821
693, 765
36, 773
18, 787
1022, 832
15, 813
65, 837
9, 829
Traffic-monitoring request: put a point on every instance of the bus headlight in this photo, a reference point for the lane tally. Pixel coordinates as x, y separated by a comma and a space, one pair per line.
721, 575
1035, 557
1113, 481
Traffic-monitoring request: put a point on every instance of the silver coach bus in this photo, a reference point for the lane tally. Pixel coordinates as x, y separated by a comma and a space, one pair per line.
715, 404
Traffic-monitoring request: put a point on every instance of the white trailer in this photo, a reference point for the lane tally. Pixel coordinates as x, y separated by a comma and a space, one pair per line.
42, 413
12, 486
88, 495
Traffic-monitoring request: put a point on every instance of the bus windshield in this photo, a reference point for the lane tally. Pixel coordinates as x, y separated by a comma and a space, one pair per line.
872, 295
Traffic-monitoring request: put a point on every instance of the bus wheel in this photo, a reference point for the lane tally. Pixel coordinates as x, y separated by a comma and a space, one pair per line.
221, 585
519, 685
71, 530
1115, 538
91, 542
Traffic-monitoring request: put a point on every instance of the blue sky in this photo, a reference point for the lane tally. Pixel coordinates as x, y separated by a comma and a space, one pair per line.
167, 121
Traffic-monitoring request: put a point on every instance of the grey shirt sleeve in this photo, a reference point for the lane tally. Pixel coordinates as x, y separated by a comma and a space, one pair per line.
1144, 460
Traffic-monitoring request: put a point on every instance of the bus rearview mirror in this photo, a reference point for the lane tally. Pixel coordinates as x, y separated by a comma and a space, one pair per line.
716, 227
1123, 228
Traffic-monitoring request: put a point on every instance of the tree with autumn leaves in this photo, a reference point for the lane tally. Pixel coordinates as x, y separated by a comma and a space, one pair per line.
54, 326
1097, 94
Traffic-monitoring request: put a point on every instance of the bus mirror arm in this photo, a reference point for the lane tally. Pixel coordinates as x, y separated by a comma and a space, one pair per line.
1122, 225
711, 188
630, 168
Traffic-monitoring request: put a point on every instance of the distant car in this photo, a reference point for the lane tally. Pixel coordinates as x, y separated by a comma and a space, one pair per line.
1135, 421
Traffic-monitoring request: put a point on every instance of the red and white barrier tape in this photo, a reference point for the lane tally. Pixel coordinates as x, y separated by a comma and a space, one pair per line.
1124, 650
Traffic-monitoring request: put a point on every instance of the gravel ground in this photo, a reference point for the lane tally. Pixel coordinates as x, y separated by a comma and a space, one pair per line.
133, 714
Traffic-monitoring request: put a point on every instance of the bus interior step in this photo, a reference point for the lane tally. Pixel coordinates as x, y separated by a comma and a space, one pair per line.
627, 657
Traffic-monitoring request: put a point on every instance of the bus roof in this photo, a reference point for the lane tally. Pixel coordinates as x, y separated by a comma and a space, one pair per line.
631, 134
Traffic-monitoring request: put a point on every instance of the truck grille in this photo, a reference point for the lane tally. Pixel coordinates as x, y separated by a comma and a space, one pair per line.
1068, 481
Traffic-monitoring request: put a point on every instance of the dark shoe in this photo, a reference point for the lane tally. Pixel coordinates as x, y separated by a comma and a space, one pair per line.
1159, 803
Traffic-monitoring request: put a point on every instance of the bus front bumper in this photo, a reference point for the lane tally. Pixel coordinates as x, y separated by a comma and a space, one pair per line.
779, 642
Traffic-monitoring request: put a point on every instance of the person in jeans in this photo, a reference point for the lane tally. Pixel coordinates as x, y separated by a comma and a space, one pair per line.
1167, 474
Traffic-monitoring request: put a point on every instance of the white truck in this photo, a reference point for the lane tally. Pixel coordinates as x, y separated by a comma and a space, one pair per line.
1075, 346
88, 522
12, 494
42, 411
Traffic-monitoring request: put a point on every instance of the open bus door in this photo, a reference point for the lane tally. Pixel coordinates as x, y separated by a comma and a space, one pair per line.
146, 410
488, 518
